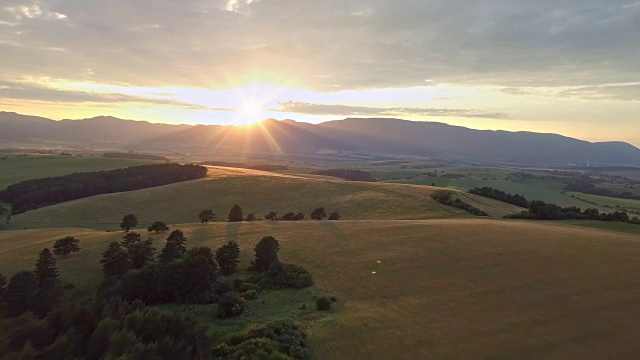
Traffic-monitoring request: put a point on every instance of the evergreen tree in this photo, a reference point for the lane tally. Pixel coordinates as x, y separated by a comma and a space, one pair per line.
46, 266
66, 246
266, 252
129, 221
130, 238
3, 284
318, 213
46, 299
227, 257
174, 247
21, 289
141, 253
235, 214
206, 216
158, 227
115, 260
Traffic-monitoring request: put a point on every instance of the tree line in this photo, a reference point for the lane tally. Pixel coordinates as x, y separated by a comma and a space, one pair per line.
34, 194
236, 215
541, 210
591, 188
446, 198
261, 167
500, 195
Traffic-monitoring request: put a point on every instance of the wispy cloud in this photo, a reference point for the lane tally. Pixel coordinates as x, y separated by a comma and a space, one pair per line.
347, 110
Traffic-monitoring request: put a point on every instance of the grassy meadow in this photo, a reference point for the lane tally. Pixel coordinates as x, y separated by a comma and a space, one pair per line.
442, 288
17, 166
255, 191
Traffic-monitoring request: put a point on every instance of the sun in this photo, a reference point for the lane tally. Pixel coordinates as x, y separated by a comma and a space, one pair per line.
251, 113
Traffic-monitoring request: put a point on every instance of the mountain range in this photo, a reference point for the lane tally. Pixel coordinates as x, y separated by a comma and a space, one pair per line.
375, 135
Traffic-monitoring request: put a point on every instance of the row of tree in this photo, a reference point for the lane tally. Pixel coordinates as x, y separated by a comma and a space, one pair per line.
446, 198
541, 210
500, 195
588, 187
37, 193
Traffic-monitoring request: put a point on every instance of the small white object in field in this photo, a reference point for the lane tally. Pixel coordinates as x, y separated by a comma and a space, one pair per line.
373, 272
379, 262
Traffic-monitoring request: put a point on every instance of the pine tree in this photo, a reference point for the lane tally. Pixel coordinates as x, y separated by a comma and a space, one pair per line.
227, 257
130, 238
115, 260
235, 214
46, 266
21, 289
174, 247
141, 253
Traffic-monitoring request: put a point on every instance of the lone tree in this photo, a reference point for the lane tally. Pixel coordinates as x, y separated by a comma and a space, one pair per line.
266, 253
235, 214
115, 260
173, 248
158, 227
227, 257
272, 215
206, 216
334, 216
129, 221
318, 213
66, 246
46, 266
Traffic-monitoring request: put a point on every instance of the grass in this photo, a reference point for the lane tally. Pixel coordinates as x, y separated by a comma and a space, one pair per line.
606, 225
255, 191
442, 289
26, 166
609, 202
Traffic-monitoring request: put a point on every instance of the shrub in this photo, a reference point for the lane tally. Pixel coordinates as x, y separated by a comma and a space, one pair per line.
334, 216
231, 304
323, 303
283, 276
249, 295
289, 337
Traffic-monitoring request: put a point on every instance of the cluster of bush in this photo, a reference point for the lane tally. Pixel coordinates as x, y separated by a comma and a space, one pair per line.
500, 195
541, 210
446, 198
347, 174
34, 194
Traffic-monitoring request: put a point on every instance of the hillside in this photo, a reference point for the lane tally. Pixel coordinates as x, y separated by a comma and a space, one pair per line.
255, 191
382, 136
442, 289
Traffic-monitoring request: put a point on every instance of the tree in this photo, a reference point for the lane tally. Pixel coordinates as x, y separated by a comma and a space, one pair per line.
115, 260
130, 238
235, 214
227, 257
323, 303
250, 217
46, 266
206, 216
266, 252
129, 221
141, 253
66, 246
174, 247
46, 299
231, 304
158, 227
334, 216
290, 216
318, 213
272, 215
3, 284
299, 216
21, 289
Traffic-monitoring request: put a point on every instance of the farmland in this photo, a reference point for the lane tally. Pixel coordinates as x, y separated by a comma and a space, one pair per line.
442, 288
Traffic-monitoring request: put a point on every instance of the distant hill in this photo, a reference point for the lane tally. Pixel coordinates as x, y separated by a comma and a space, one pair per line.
387, 136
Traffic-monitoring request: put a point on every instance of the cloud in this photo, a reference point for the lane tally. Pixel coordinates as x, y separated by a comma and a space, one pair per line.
346, 110
37, 92
325, 45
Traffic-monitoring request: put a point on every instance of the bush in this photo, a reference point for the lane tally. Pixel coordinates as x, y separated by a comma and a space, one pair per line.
249, 295
334, 216
289, 337
231, 304
323, 303
284, 276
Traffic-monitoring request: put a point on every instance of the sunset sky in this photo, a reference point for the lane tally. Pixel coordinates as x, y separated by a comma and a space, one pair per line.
564, 66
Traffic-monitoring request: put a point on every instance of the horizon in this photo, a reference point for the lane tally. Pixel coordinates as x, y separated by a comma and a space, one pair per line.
568, 69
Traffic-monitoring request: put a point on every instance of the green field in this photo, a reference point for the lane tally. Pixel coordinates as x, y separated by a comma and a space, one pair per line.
609, 202
18, 166
255, 191
443, 288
